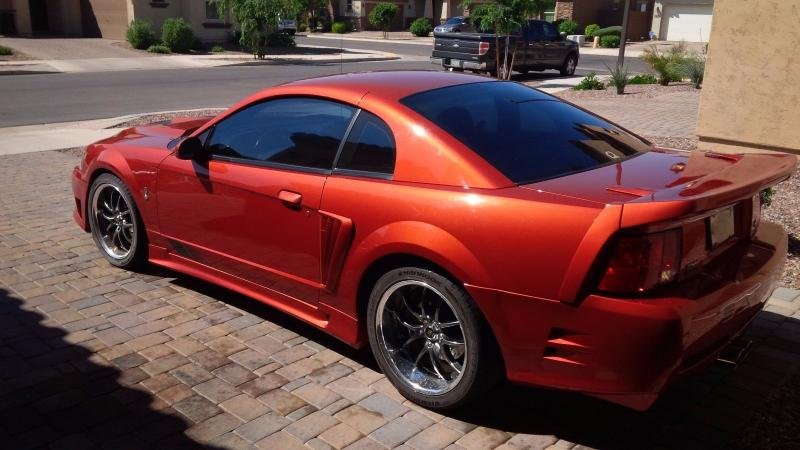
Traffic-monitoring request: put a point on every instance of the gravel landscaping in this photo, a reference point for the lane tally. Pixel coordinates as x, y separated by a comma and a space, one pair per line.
637, 91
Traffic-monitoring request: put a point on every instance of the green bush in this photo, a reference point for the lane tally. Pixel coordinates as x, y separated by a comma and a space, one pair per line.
694, 68
217, 49
609, 31
568, 27
5, 51
590, 83
590, 31
619, 78
609, 41
341, 27
158, 48
278, 39
669, 65
177, 34
643, 78
301, 27
140, 34
382, 16
421, 27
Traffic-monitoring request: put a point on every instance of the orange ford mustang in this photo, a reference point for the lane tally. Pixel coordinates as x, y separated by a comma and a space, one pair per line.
463, 228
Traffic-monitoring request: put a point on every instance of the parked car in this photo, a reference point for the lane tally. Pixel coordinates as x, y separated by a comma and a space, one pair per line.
454, 25
288, 26
539, 47
465, 229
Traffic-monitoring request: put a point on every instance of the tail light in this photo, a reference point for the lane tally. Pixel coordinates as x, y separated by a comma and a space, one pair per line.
483, 48
640, 263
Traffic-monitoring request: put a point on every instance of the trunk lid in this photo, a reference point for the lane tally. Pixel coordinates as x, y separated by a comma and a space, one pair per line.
667, 184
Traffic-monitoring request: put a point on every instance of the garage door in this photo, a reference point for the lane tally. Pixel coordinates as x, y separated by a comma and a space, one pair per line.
690, 23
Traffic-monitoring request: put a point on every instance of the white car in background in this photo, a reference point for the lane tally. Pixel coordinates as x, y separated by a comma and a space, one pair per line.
287, 26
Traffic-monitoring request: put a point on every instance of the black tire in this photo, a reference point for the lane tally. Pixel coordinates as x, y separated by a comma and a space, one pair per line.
481, 367
136, 256
567, 68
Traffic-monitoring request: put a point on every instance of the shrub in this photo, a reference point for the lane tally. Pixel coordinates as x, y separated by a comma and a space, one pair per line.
217, 49
177, 34
609, 41
158, 48
694, 68
668, 65
5, 51
766, 195
382, 15
140, 34
421, 27
590, 30
278, 39
341, 27
618, 78
568, 27
301, 27
643, 78
609, 31
590, 83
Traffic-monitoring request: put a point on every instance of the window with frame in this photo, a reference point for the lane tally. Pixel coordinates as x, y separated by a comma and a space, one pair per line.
370, 146
212, 13
296, 131
550, 33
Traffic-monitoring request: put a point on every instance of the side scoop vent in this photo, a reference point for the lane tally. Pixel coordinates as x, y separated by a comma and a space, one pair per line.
568, 347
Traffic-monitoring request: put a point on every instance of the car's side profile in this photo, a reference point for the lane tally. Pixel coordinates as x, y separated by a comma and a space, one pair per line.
465, 229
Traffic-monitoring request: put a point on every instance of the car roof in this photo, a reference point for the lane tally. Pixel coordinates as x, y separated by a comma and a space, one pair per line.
387, 85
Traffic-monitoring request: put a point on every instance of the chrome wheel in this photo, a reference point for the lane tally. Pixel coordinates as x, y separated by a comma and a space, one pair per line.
422, 337
113, 222
571, 65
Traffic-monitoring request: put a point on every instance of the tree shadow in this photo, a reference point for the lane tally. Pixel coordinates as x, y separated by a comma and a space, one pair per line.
53, 393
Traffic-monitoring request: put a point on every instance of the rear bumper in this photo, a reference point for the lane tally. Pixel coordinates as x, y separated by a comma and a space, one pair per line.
458, 63
79, 191
628, 350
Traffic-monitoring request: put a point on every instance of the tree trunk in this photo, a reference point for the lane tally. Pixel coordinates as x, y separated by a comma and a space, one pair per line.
331, 11
511, 67
496, 53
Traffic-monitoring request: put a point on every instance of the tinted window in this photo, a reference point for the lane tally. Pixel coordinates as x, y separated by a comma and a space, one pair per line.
369, 147
550, 33
525, 134
297, 131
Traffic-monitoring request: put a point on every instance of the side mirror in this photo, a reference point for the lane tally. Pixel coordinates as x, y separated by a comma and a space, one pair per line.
190, 148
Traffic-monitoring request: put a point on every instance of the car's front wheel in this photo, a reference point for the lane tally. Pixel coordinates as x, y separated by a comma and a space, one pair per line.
116, 226
429, 338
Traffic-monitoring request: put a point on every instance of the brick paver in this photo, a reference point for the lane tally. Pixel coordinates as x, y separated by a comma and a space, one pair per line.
94, 356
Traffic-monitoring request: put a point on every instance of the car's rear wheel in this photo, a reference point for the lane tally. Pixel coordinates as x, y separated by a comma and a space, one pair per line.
429, 338
570, 64
116, 226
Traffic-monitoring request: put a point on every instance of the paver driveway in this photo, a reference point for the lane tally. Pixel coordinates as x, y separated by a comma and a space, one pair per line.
93, 356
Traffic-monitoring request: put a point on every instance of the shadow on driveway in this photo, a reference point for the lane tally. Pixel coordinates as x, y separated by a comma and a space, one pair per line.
52, 393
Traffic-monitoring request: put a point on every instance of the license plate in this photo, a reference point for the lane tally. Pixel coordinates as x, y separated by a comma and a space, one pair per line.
721, 227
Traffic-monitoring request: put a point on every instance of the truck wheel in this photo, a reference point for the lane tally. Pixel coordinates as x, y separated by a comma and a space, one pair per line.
570, 64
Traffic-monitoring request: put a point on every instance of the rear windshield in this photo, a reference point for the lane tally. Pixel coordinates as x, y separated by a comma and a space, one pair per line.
527, 135
454, 20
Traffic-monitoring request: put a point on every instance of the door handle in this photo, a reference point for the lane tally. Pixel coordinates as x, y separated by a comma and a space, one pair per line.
290, 198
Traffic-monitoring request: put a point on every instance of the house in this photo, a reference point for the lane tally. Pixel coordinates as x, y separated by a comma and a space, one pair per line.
671, 20
682, 20
749, 98
437, 11
608, 13
107, 18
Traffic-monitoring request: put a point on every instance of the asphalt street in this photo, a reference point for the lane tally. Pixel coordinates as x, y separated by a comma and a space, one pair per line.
48, 98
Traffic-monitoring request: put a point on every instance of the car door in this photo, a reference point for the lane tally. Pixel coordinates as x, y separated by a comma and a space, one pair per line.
250, 208
533, 43
555, 47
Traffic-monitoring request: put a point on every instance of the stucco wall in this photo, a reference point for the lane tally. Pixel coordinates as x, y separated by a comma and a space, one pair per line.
109, 17
750, 96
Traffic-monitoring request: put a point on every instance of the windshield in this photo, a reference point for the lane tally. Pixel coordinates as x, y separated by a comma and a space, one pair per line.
527, 135
454, 21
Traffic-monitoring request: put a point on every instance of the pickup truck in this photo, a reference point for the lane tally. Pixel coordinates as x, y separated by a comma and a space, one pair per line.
539, 47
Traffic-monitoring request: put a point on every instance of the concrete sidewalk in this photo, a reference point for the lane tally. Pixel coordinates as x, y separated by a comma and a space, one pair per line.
184, 61
54, 136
